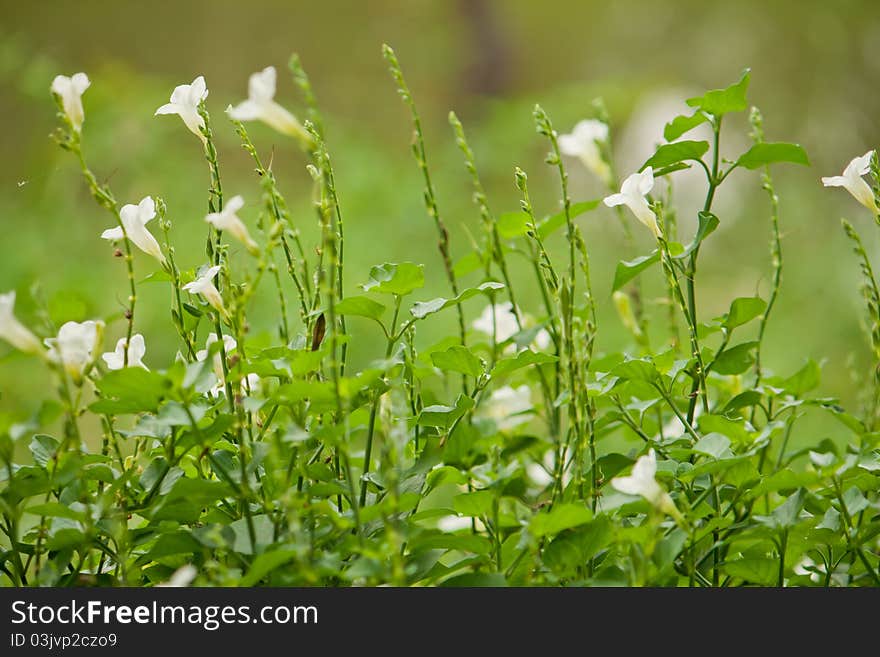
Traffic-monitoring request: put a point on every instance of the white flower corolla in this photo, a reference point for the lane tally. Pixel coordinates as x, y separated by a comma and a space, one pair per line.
498, 320
70, 90
852, 181
261, 106
543, 340
204, 285
633, 193
583, 142
229, 345
642, 482
181, 577
539, 475
135, 219
508, 407
185, 100
75, 346
453, 523
13, 331
137, 348
229, 221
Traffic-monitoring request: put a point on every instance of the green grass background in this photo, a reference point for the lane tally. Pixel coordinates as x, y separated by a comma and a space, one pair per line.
815, 75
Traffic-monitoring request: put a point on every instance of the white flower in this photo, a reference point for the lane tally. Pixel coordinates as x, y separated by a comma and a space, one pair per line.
452, 523
250, 383
583, 142
503, 327
71, 89
508, 407
632, 194
136, 349
75, 345
13, 331
135, 218
852, 181
539, 475
185, 101
229, 221
642, 482
181, 577
204, 285
261, 106
542, 339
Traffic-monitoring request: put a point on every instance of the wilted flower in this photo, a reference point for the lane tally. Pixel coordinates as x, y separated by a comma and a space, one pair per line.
13, 331
642, 482
583, 142
508, 407
136, 349
852, 181
185, 101
75, 345
135, 218
70, 90
204, 285
632, 194
624, 309
229, 221
261, 106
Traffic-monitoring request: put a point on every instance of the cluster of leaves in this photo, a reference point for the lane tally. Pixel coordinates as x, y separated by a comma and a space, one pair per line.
418, 469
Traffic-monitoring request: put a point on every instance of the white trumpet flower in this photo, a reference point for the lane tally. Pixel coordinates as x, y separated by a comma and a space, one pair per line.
642, 482
633, 193
134, 218
13, 331
185, 101
583, 142
261, 106
204, 285
852, 181
502, 323
229, 221
136, 350
75, 346
70, 90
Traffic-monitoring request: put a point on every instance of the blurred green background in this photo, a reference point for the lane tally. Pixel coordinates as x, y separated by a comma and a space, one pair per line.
815, 75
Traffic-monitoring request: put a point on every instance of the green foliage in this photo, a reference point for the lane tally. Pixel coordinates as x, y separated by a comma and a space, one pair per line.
514, 451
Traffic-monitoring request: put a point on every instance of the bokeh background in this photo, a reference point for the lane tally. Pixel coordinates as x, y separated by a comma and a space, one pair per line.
815, 75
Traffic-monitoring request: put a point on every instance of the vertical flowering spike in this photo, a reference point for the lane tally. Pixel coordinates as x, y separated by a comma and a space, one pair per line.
261, 106
75, 346
137, 348
13, 331
230, 222
852, 181
185, 100
135, 218
70, 90
633, 193
204, 285
583, 142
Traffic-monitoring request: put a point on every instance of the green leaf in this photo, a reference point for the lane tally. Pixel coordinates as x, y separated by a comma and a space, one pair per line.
735, 360
513, 224
467, 264
55, 510
422, 309
474, 580
855, 501
523, 359
396, 278
802, 381
440, 415
708, 222
719, 102
786, 514
554, 222
43, 448
636, 370
682, 124
478, 503
714, 445
757, 570
679, 151
769, 152
744, 310
561, 517
458, 359
135, 389
628, 270
264, 564
359, 306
